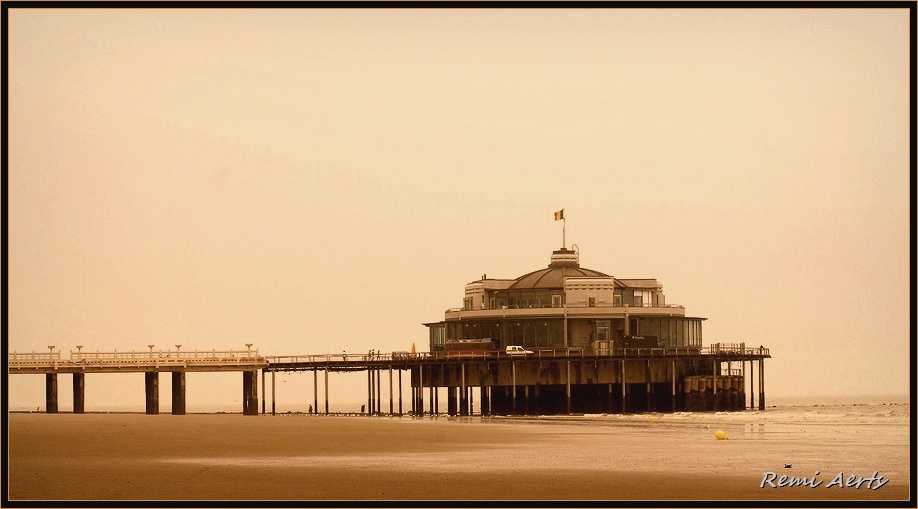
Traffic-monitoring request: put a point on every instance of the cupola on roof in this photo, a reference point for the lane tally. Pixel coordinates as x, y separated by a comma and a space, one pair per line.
564, 263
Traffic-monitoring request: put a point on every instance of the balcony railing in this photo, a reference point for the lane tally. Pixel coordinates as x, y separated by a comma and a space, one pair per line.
569, 306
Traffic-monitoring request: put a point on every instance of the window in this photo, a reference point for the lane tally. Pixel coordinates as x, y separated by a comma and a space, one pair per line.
592, 302
555, 301
602, 330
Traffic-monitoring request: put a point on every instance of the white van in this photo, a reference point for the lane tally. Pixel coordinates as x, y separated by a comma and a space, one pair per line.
514, 351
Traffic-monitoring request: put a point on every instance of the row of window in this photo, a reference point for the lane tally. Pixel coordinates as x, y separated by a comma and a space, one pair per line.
671, 331
551, 298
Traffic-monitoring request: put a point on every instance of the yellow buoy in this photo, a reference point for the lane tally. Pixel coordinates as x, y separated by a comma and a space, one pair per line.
720, 435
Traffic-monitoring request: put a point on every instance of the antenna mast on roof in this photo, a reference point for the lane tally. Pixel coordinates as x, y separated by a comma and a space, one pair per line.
559, 216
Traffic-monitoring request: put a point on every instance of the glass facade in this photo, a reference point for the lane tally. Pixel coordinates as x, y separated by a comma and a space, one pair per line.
672, 331
633, 298
538, 332
437, 337
517, 299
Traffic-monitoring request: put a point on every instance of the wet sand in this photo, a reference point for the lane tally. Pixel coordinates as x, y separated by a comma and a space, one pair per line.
235, 457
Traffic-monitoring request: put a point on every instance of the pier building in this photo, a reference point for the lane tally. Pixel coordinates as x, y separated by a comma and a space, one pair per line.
567, 306
591, 343
628, 348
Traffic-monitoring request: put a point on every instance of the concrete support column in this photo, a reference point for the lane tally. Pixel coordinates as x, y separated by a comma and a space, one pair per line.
569, 387
610, 399
326, 390
485, 400
79, 392
315, 390
390, 391
624, 390
451, 407
246, 387
178, 393
672, 405
378, 392
716, 369
752, 384
263, 398
436, 401
250, 393
369, 391
51, 393
513, 379
471, 401
400, 392
463, 393
420, 394
762, 384
649, 398
152, 391
273, 386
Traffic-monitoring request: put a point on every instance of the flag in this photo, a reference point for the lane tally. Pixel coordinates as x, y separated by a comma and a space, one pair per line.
559, 215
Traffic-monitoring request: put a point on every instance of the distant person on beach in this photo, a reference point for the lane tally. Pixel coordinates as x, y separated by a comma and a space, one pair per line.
310, 408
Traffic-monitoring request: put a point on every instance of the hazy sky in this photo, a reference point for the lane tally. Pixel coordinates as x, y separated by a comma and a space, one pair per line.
313, 181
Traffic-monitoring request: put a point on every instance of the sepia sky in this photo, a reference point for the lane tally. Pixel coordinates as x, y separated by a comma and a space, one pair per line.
313, 181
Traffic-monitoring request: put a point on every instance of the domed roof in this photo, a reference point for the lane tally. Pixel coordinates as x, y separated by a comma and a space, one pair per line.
564, 263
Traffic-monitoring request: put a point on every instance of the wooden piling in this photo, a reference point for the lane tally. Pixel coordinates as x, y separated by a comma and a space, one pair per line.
390, 389
315, 390
273, 386
399, 392
263, 398
326, 390
762, 384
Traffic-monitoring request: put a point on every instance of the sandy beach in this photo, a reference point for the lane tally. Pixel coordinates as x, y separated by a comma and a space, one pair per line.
297, 457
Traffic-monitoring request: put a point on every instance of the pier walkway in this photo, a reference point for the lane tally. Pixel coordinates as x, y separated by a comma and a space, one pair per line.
557, 373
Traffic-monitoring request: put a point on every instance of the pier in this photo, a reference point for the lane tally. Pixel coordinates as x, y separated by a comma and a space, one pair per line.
552, 381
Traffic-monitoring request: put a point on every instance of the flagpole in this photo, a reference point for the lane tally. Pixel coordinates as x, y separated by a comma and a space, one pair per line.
563, 232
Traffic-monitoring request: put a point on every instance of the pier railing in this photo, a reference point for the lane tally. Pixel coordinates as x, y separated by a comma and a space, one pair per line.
140, 359
228, 358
